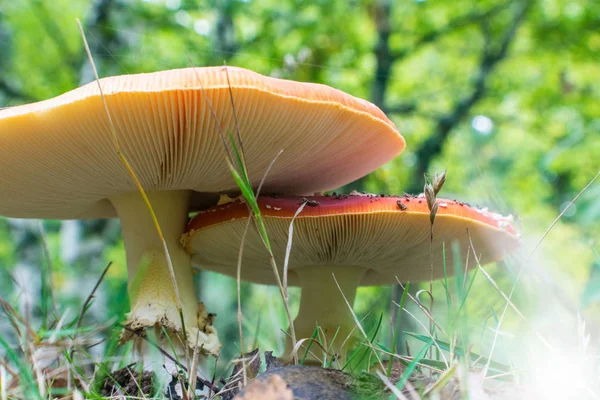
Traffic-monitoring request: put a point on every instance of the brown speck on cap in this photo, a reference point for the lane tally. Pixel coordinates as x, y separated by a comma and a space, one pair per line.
309, 202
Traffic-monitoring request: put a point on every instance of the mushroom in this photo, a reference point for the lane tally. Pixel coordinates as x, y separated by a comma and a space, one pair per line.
360, 239
58, 161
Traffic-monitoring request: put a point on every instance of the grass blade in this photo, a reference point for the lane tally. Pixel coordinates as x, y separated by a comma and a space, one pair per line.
459, 351
411, 367
397, 327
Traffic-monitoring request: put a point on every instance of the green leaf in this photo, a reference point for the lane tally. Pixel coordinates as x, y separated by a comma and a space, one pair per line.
461, 352
411, 367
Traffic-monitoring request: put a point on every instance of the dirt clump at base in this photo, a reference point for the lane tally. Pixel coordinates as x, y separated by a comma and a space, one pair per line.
129, 381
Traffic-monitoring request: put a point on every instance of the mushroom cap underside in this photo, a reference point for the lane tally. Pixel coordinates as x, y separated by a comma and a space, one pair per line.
58, 159
388, 236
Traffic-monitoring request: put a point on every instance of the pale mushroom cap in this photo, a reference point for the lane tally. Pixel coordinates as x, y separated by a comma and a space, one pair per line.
388, 236
57, 158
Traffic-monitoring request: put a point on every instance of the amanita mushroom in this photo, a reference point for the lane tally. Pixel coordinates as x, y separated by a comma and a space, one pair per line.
58, 161
361, 239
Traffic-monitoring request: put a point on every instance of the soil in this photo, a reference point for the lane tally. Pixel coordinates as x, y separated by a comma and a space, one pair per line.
309, 383
129, 381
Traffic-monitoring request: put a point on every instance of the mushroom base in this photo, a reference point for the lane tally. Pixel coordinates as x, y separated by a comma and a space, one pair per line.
323, 305
153, 297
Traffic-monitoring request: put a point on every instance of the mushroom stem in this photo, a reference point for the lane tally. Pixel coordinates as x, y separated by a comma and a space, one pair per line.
323, 305
153, 297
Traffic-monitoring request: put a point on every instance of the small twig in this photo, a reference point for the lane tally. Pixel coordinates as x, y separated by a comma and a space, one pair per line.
91, 295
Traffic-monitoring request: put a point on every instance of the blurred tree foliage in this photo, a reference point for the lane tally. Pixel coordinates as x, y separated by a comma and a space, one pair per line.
502, 93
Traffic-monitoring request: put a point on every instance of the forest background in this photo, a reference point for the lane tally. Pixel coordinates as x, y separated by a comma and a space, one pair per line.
504, 94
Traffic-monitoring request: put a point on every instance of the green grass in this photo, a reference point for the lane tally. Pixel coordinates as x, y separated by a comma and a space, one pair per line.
71, 336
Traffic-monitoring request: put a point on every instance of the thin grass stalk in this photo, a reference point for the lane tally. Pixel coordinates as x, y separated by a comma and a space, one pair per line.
443, 380
194, 368
310, 341
240, 316
429, 335
165, 354
397, 327
7, 368
356, 321
249, 195
445, 281
559, 217
307, 350
177, 361
91, 295
240, 255
47, 292
39, 376
431, 301
3, 383
330, 349
237, 125
16, 321
512, 305
349, 336
367, 353
245, 186
519, 273
424, 309
75, 373
213, 114
405, 360
137, 384
395, 391
411, 367
25, 376
288, 248
137, 182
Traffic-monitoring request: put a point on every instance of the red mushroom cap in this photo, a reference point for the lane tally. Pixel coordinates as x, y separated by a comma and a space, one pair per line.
389, 236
